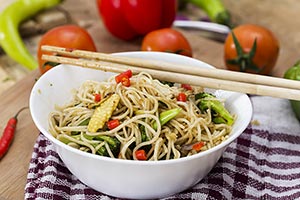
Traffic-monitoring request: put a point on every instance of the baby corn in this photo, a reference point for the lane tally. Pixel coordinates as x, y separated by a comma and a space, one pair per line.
103, 113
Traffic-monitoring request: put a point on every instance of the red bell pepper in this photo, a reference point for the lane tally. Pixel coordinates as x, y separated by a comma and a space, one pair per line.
127, 19
97, 97
124, 78
114, 123
141, 154
181, 97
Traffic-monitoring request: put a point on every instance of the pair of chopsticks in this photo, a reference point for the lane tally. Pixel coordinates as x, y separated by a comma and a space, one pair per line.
205, 77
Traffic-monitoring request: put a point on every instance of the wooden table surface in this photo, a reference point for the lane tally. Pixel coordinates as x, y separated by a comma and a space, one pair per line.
15, 93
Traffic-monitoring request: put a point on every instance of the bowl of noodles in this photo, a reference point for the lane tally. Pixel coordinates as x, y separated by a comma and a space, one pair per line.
144, 139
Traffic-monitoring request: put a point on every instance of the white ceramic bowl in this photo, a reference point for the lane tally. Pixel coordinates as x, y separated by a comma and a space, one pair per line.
124, 178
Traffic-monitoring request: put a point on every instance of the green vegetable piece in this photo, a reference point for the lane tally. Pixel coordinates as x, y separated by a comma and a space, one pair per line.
215, 10
83, 123
113, 143
143, 133
10, 19
216, 106
219, 120
144, 139
171, 84
293, 73
63, 139
166, 116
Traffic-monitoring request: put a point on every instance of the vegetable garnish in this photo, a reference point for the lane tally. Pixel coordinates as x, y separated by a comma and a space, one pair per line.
103, 113
124, 78
166, 116
181, 97
186, 86
113, 124
141, 154
219, 113
97, 97
197, 147
8, 133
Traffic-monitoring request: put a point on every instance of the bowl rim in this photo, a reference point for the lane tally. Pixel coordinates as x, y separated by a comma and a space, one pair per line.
138, 162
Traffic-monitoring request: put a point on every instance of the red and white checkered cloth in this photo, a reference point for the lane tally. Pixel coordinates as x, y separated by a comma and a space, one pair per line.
263, 163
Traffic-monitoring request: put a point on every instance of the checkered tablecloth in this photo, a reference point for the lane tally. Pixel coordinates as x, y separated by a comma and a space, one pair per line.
263, 163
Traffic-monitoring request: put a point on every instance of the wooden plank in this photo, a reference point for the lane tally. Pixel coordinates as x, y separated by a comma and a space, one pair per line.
14, 165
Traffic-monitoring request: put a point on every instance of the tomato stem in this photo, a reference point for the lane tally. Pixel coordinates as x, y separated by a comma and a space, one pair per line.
244, 60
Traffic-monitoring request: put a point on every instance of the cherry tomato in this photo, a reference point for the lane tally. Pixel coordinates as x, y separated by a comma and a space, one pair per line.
167, 40
67, 36
255, 49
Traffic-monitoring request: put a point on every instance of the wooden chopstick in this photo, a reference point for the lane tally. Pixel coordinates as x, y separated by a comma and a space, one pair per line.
186, 69
257, 84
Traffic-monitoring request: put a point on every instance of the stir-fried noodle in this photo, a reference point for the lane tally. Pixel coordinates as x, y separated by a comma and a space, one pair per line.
138, 111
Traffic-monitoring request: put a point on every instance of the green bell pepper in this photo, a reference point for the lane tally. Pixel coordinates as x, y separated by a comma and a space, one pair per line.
293, 73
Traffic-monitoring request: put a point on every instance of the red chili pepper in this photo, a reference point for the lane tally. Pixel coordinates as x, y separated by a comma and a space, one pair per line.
8, 134
128, 73
113, 124
126, 19
141, 154
124, 78
198, 146
186, 86
97, 97
181, 97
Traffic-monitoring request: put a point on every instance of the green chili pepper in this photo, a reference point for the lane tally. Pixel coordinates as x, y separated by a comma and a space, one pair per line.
215, 10
166, 116
220, 114
293, 73
10, 19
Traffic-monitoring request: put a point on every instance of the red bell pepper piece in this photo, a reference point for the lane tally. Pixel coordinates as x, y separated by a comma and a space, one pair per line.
181, 97
126, 19
97, 97
186, 86
113, 124
124, 78
141, 154
198, 146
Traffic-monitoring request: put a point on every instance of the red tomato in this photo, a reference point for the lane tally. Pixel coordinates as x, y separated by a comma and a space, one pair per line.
67, 36
127, 19
167, 40
261, 59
